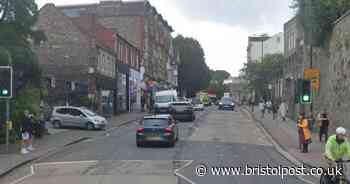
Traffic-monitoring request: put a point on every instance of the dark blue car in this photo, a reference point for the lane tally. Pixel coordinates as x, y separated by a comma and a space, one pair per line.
226, 103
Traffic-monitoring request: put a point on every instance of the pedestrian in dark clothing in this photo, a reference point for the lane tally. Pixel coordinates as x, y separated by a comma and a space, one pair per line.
143, 102
324, 124
274, 110
27, 133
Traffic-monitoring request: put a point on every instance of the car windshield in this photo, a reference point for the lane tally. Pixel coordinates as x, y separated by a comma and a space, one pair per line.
155, 122
226, 100
89, 113
164, 99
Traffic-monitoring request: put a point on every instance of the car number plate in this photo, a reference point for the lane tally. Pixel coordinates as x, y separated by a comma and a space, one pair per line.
154, 138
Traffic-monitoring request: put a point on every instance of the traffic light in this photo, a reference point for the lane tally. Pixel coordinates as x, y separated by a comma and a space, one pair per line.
306, 92
5, 82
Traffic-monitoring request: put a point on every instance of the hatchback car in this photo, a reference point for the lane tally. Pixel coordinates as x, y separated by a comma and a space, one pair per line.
64, 116
183, 111
197, 105
227, 103
157, 129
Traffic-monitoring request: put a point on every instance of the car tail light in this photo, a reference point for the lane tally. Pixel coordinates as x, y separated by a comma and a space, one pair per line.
140, 130
168, 130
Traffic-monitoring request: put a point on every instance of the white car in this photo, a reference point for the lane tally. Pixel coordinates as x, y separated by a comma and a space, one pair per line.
198, 107
77, 117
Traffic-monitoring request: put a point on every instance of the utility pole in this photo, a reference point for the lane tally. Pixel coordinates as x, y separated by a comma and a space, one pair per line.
8, 124
311, 46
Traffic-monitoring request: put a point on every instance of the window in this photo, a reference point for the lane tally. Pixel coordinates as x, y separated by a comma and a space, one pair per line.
52, 82
74, 112
62, 111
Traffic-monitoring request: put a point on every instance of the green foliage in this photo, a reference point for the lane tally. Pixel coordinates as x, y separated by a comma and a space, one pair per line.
17, 36
194, 74
317, 17
260, 75
219, 75
216, 85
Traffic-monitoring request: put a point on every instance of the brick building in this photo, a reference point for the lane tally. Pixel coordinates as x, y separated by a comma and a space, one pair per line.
141, 24
75, 61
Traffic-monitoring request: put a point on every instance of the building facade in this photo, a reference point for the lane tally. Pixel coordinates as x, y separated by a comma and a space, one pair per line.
260, 46
79, 61
141, 24
255, 48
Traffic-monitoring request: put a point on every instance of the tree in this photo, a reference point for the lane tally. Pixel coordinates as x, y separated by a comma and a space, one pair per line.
216, 84
260, 75
317, 17
194, 74
17, 36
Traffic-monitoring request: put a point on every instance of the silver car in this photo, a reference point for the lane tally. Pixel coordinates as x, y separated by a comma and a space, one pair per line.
77, 117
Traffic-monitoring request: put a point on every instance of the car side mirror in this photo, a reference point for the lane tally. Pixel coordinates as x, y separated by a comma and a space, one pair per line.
82, 116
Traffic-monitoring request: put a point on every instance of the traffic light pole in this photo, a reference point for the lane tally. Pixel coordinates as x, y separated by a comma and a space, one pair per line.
7, 124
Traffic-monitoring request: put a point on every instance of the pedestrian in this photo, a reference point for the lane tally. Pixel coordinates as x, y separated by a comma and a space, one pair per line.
283, 109
312, 122
323, 125
304, 133
269, 106
27, 133
274, 110
143, 102
262, 106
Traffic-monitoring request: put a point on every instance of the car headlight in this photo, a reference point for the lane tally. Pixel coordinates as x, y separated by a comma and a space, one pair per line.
220, 103
232, 104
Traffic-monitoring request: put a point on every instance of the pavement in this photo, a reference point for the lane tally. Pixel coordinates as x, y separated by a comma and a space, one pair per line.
285, 133
58, 139
214, 139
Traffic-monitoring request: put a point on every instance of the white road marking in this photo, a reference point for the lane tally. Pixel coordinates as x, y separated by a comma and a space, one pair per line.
25, 177
176, 172
67, 163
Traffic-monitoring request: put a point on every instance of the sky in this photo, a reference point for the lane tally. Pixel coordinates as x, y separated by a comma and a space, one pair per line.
221, 26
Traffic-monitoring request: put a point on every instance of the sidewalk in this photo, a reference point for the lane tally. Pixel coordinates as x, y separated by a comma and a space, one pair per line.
286, 135
58, 139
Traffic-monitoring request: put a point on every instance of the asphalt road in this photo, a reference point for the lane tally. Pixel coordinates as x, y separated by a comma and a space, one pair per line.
215, 139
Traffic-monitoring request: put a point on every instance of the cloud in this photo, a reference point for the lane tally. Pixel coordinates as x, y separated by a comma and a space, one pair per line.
249, 14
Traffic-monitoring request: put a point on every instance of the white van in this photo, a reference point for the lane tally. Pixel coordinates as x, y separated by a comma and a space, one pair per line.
163, 100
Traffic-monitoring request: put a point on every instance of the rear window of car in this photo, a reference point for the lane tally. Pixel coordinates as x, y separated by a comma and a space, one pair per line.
155, 122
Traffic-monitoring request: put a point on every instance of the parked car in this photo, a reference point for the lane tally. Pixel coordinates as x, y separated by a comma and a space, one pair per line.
68, 116
183, 110
157, 129
197, 105
226, 103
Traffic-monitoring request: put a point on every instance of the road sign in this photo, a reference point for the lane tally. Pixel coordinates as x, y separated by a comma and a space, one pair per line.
6, 78
313, 74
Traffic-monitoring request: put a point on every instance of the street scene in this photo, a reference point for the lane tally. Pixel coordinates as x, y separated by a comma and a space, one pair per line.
174, 92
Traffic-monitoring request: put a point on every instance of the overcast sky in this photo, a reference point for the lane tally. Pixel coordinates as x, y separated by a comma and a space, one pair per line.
221, 26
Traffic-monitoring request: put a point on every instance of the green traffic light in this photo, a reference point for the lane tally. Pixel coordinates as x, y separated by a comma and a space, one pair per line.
306, 98
4, 92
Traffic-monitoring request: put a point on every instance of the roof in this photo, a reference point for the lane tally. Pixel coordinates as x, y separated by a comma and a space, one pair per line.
119, 8
158, 116
89, 25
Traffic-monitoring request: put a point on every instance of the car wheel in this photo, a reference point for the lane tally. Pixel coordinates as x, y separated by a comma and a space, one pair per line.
90, 126
138, 144
57, 124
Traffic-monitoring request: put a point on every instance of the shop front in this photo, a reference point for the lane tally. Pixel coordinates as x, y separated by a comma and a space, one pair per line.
123, 88
135, 90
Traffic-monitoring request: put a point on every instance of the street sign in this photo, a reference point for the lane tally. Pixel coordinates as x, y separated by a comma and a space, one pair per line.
313, 74
6, 78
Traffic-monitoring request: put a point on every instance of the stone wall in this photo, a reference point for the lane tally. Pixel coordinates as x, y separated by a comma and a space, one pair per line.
339, 72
